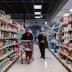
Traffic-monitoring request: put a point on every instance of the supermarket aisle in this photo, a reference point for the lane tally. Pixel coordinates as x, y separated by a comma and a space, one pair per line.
50, 64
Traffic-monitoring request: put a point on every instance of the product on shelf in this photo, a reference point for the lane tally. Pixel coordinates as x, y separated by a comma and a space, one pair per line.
1, 43
9, 50
4, 63
66, 50
70, 19
1, 53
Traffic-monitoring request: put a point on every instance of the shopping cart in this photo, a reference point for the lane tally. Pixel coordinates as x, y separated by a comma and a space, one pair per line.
27, 48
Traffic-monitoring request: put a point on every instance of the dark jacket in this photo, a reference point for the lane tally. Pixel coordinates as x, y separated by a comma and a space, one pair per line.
40, 38
27, 36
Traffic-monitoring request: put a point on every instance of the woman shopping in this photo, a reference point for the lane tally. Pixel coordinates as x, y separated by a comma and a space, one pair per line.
42, 44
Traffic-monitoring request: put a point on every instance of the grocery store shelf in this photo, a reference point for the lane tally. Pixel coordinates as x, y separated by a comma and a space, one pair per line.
66, 47
2, 29
6, 67
14, 32
3, 20
13, 26
6, 55
65, 64
9, 42
63, 24
54, 32
66, 38
55, 28
64, 31
67, 31
8, 46
65, 54
7, 38
55, 43
6, 30
10, 64
61, 61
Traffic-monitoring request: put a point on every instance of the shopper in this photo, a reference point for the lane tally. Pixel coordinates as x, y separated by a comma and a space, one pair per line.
42, 43
27, 36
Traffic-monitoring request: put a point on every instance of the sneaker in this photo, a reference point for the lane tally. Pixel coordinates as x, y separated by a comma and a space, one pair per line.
41, 57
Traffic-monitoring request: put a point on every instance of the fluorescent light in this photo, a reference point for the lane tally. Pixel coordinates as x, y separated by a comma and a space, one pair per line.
45, 22
70, 10
37, 6
37, 16
37, 13
41, 16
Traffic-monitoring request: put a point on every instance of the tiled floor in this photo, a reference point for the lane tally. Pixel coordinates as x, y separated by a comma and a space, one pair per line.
50, 64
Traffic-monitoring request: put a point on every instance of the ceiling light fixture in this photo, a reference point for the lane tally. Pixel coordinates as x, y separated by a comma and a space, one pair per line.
70, 10
37, 17
37, 6
37, 13
41, 16
45, 22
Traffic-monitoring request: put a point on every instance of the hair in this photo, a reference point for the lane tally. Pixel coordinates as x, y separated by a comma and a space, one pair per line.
26, 30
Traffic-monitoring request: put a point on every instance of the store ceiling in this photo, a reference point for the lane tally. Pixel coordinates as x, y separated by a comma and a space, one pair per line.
23, 9
68, 5
64, 10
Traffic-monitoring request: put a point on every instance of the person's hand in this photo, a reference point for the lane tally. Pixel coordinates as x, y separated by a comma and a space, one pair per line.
42, 41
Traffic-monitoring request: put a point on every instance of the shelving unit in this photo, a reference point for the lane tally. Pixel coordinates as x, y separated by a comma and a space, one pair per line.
9, 49
6, 55
61, 60
55, 28
64, 52
11, 63
53, 33
65, 47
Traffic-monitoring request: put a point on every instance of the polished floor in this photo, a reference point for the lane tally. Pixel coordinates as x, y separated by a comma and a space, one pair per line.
50, 64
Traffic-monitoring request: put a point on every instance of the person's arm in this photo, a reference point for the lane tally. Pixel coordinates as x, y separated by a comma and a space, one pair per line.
38, 36
46, 42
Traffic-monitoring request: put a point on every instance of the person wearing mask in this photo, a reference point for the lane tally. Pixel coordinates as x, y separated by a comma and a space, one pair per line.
42, 43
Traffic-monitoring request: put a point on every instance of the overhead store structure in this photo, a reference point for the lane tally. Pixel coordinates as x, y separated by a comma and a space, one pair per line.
24, 9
